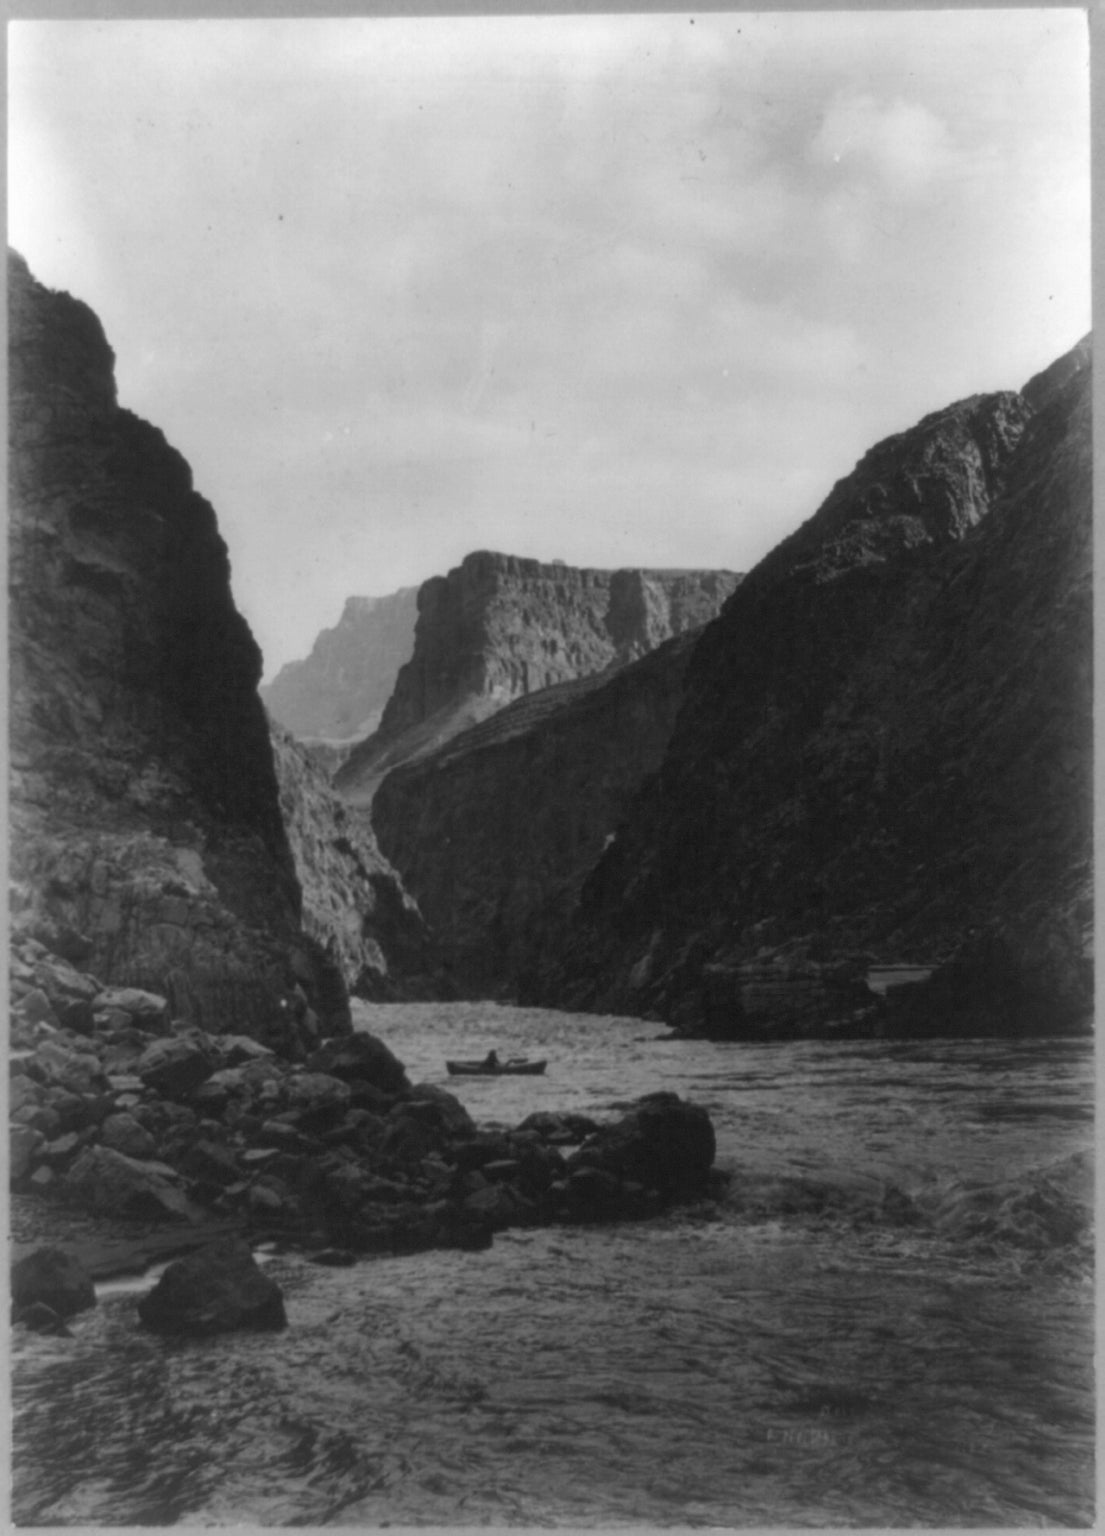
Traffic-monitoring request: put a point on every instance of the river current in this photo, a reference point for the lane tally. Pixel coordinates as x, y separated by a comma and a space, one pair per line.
886, 1320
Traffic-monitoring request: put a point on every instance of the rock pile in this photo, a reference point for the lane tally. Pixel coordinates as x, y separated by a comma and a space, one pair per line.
122, 1110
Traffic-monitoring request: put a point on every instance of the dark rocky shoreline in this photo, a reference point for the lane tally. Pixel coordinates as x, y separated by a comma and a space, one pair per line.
137, 1137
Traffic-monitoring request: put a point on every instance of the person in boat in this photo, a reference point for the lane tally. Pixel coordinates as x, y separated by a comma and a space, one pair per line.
491, 1060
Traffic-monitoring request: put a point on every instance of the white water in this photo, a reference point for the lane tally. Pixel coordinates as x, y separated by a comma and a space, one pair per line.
815, 1351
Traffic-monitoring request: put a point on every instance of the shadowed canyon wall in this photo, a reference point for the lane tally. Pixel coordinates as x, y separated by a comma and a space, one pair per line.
496, 831
879, 754
884, 755
145, 811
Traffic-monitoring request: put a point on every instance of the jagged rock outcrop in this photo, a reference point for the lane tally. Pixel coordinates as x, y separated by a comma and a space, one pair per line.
354, 905
498, 628
145, 815
884, 755
337, 693
497, 830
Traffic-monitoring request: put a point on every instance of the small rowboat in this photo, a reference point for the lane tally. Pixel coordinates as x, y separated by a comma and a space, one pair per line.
517, 1066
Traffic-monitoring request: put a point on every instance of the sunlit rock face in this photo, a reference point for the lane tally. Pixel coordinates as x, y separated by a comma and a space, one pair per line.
144, 805
499, 628
883, 755
337, 693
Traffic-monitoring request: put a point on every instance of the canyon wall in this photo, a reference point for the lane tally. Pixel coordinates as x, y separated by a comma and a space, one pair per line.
496, 831
146, 835
878, 755
884, 755
498, 628
354, 904
338, 692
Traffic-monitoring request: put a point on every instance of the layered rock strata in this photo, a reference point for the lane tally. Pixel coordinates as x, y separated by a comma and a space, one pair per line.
498, 628
145, 814
496, 831
337, 693
884, 755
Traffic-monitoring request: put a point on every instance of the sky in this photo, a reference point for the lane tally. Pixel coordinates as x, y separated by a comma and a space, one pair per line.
615, 290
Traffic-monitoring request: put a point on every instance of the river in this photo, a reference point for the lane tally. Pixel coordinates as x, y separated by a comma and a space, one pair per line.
886, 1320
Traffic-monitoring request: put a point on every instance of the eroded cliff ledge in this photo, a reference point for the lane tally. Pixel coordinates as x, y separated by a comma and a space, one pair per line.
498, 628
884, 755
145, 815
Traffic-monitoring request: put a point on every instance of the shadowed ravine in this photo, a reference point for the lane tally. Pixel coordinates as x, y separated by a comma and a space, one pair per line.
886, 1320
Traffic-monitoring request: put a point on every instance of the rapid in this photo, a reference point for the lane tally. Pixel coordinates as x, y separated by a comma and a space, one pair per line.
887, 1319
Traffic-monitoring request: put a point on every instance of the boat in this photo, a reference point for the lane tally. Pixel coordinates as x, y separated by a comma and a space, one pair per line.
517, 1066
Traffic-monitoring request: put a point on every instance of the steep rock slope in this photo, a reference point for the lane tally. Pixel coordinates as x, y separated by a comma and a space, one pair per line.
497, 830
338, 692
145, 814
354, 904
498, 628
884, 755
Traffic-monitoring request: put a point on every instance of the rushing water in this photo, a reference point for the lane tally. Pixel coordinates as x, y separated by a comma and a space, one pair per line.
814, 1350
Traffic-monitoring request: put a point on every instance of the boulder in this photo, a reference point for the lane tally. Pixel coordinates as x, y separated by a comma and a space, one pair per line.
316, 1090
149, 1010
442, 1108
78, 1016
77, 1071
209, 1163
24, 1143
53, 1278
237, 1050
40, 1318
663, 1143
217, 1290
361, 1058
105, 1180
124, 1134
559, 1127
62, 982
174, 1067
34, 1007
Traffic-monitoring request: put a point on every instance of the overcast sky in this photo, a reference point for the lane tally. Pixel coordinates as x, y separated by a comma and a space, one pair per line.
623, 290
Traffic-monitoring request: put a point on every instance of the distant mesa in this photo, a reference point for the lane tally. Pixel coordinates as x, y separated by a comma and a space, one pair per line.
499, 627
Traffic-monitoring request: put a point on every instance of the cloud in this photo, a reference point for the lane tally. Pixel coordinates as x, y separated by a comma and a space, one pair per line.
608, 288
903, 145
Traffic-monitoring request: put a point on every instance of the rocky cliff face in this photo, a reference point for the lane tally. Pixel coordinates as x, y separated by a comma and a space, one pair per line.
145, 815
338, 692
354, 905
498, 628
497, 830
884, 755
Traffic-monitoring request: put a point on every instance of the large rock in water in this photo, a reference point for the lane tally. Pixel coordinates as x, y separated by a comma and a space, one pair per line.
361, 1058
145, 814
662, 1143
885, 750
52, 1278
498, 628
217, 1290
